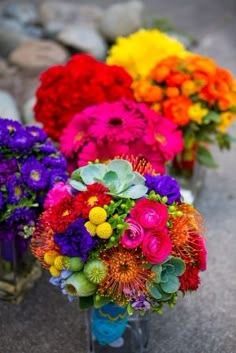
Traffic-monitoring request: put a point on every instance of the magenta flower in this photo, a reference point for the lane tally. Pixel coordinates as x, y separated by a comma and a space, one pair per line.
150, 214
133, 236
156, 245
56, 194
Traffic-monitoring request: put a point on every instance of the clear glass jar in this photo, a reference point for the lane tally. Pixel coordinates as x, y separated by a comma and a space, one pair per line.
134, 339
18, 270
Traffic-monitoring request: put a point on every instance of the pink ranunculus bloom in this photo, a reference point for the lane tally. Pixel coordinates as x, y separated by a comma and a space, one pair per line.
133, 236
156, 245
56, 194
150, 214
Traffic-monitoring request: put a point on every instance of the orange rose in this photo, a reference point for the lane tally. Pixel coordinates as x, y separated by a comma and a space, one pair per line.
176, 78
176, 109
159, 73
188, 88
172, 92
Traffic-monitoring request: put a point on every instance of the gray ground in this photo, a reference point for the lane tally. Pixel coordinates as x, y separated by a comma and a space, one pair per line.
204, 322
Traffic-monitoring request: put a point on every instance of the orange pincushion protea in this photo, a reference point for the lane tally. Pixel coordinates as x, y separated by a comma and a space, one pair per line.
127, 275
43, 241
185, 232
139, 164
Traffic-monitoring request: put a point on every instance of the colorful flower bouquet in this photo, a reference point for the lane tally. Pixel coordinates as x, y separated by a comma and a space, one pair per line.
82, 82
199, 97
118, 238
29, 167
119, 128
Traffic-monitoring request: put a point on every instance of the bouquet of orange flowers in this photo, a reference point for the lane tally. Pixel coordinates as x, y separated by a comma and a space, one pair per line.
198, 96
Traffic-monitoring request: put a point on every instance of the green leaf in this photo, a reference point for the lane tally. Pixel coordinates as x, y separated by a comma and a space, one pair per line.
77, 185
169, 268
172, 285
211, 117
233, 109
204, 157
76, 175
120, 166
110, 178
86, 302
99, 300
157, 270
130, 310
90, 172
134, 192
153, 291
179, 265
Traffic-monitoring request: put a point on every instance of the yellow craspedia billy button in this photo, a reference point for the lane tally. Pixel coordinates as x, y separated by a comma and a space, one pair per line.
58, 263
91, 228
97, 215
104, 230
50, 256
54, 271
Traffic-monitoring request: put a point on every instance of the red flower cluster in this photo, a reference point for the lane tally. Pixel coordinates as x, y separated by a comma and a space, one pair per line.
82, 82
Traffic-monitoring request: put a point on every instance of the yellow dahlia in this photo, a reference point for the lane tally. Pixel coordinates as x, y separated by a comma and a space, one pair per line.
142, 50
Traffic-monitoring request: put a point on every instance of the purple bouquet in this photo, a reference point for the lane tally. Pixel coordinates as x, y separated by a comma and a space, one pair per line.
29, 167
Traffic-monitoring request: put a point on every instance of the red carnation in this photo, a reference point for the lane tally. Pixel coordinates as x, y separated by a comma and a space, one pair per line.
190, 280
62, 214
95, 195
82, 82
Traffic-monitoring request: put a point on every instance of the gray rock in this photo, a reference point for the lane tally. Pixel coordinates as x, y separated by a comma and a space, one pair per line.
8, 108
121, 19
54, 16
23, 12
38, 54
84, 38
27, 111
34, 31
11, 35
3, 67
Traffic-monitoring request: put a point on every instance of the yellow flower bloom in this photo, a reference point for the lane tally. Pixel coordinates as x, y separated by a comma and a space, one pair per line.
91, 228
58, 263
104, 230
142, 50
54, 271
196, 112
50, 256
97, 215
227, 119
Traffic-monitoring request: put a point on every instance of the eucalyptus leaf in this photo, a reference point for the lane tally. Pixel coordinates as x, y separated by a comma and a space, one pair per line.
179, 265
153, 291
92, 171
134, 192
169, 268
172, 285
211, 117
110, 178
77, 185
120, 166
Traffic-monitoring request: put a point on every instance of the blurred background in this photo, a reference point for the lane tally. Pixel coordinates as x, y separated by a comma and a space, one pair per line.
37, 34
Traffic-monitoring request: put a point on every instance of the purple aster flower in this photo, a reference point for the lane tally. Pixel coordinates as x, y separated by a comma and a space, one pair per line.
21, 141
56, 176
164, 186
11, 125
55, 161
8, 167
47, 148
34, 174
75, 241
4, 134
15, 189
1, 201
37, 134
21, 216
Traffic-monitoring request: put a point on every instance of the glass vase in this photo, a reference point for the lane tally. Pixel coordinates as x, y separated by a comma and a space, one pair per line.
130, 336
18, 269
189, 173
